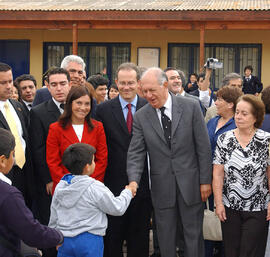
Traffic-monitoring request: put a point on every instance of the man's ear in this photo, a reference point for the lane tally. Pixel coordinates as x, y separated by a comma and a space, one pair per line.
3, 159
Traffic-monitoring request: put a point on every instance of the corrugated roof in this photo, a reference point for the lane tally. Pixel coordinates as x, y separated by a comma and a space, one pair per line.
135, 5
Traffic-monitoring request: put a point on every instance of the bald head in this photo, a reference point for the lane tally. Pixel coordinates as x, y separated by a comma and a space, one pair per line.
154, 84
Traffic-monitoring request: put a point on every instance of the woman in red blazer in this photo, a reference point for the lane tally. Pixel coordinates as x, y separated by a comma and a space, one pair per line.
74, 126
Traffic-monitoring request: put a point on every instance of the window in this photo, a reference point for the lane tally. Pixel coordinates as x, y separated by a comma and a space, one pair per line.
97, 56
234, 57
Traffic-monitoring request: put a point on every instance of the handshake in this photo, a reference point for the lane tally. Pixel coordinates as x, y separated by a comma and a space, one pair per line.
132, 187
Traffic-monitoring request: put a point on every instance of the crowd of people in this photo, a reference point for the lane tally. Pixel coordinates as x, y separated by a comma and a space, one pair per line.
100, 162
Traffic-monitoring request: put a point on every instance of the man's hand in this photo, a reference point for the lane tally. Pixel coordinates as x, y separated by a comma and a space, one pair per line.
133, 187
49, 188
206, 190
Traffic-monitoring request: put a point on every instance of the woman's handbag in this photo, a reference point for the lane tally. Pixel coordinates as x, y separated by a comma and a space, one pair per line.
211, 225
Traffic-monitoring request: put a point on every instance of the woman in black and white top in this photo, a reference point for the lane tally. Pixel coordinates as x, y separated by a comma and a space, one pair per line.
240, 181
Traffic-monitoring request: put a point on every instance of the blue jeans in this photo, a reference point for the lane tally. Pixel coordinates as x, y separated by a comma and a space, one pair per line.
82, 245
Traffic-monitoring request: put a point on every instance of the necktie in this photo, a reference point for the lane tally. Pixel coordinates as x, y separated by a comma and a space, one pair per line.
129, 118
166, 124
62, 106
19, 152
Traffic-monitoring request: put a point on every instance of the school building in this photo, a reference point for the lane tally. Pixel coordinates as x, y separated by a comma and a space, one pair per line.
35, 35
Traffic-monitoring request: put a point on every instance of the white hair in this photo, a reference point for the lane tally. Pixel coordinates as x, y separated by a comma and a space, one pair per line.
158, 73
72, 58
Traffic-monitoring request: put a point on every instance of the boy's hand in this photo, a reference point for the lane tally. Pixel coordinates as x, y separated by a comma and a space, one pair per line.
132, 187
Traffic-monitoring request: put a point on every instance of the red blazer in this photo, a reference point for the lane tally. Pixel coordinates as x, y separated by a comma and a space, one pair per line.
59, 139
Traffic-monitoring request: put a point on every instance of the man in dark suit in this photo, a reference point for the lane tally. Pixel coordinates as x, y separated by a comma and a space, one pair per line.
14, 119
116, 116
176, 87
251, 84
172, 131
41, 116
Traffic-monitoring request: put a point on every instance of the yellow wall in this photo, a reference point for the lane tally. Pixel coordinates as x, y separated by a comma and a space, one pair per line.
138, 38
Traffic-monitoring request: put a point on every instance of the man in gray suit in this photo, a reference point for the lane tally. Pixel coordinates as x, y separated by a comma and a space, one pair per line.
180, 161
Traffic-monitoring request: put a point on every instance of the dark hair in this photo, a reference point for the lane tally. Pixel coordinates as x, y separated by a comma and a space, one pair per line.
45, 75
180, 72
57, 71
258, 109
193, 74
75, 93
248, 67
112, 86
76, 156
230, 94
129, 66
97, 80
4, 67
7, 142
266, 99
201, 75
24, 77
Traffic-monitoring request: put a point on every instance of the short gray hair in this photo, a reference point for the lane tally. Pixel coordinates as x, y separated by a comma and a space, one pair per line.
159, 74
72, 58
228, 77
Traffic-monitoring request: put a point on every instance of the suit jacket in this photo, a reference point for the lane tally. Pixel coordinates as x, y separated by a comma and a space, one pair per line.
28, 167
252, 86
196, 98
186, 165
41, 117
42, 95
59, 139
118, 139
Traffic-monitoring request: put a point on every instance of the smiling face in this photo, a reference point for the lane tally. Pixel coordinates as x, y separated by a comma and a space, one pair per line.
244, 118
75, 71
101, 92
80, 108
127, 84
113, 93
174, 81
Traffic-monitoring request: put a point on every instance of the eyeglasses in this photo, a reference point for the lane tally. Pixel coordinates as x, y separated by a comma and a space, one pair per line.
128, 83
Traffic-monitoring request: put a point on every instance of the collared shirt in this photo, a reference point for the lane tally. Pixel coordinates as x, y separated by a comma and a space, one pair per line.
28, 104
16, 118
5, 179
248, 78
58, 105
168, 109
125, 108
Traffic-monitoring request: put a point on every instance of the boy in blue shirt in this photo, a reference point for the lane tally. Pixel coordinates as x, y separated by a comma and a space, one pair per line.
80, 204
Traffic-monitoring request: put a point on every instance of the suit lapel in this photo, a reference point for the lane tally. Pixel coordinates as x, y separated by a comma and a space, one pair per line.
3, 121
53, 109
118, 114
70, 134
177, 111
153, 118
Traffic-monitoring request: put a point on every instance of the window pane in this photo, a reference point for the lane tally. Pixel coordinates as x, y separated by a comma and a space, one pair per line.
180, 58
55, 55
120, 54
97, 59
249, 56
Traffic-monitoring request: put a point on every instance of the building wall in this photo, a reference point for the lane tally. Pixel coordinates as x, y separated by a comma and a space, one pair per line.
139, 38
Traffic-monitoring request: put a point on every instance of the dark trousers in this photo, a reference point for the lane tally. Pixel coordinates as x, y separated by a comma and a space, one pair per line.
133, 227
245, 233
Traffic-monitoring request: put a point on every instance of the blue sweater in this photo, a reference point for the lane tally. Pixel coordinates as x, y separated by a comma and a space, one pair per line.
213, 134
